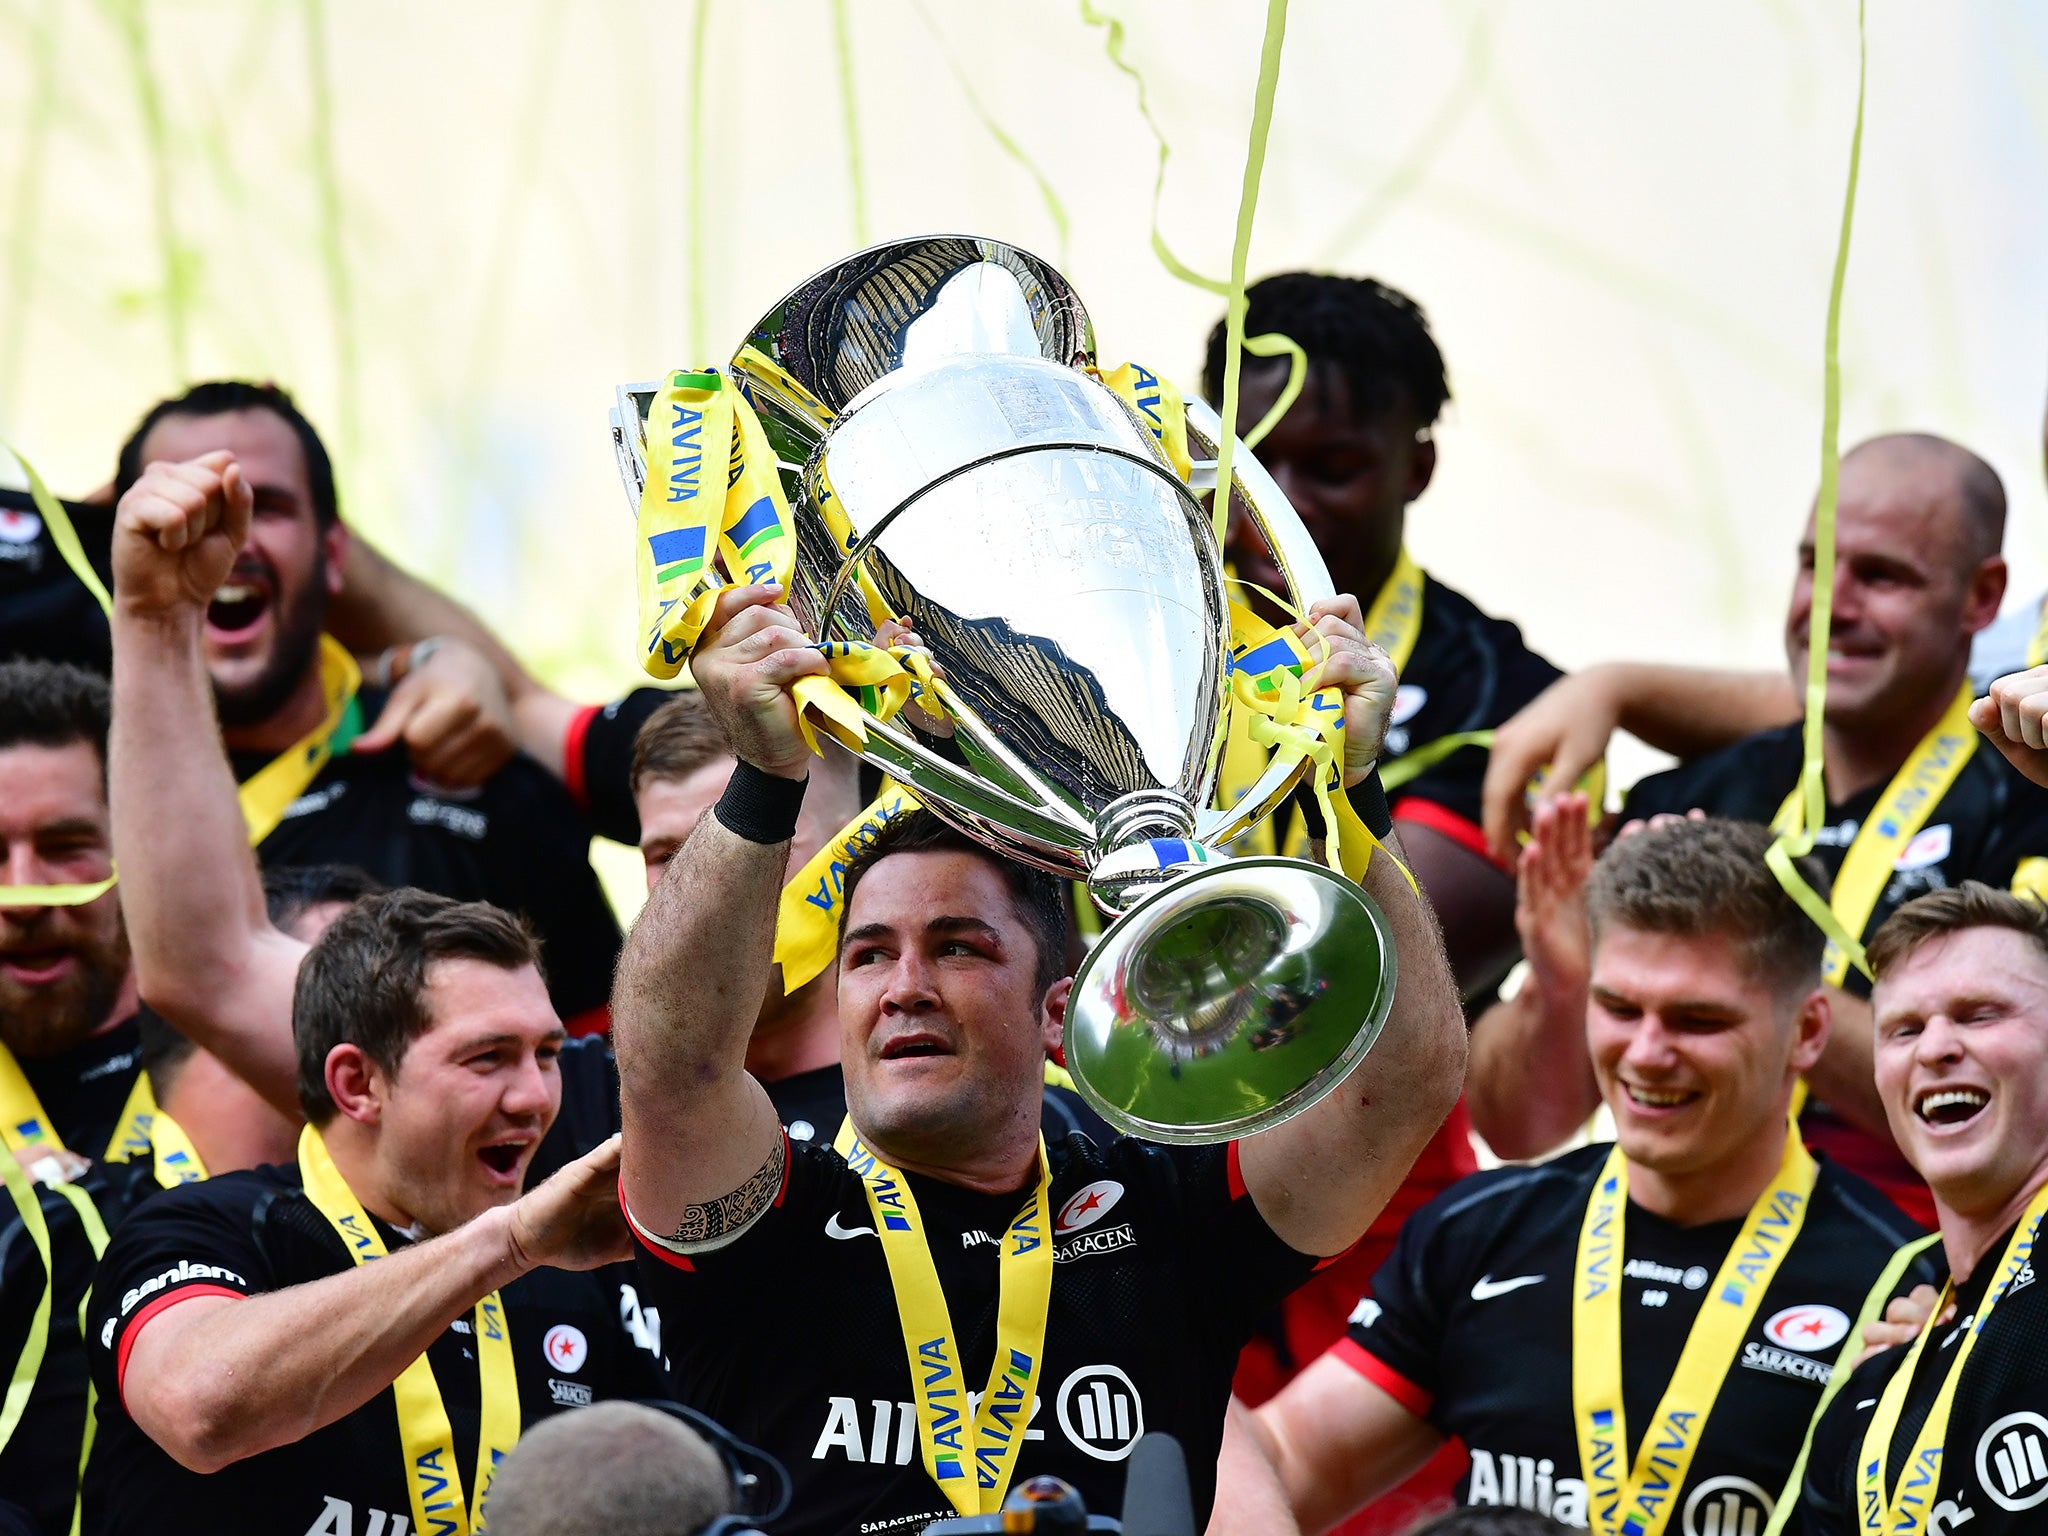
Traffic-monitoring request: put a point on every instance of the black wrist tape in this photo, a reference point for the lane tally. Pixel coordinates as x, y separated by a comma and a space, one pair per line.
1369, 800
761, 807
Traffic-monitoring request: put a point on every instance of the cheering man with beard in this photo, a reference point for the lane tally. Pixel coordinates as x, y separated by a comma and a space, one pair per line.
291, 712
938, 1301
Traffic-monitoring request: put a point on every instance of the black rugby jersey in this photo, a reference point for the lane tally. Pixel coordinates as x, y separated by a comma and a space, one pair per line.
597, 761
45, 611
517, 840
82, 1089
575, 1338
1469, 1325
39, 1463
1161, 1263
1469, 671
1990, 819
1994, 1464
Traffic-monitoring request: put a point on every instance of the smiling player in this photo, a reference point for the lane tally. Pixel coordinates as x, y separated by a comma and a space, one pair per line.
1671, 1303
1948, 1435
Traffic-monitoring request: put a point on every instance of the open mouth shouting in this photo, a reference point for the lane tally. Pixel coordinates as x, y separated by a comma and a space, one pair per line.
1949, 1107
37, 967
915, 1045
241, 603
505, 1161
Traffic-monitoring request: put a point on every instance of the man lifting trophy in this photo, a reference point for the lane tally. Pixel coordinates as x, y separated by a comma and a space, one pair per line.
933, 445
946, 538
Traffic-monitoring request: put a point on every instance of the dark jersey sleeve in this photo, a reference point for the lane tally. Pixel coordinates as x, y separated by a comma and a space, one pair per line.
543, 867
1827, 1494
1396, 1334
1499, 675
2021, 834
1230, 1250
195, 1240
597, 761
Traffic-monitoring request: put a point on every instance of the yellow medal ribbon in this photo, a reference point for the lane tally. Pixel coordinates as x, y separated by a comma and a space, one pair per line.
269, 792
807, 920
433, 1478
1642, 1505
28, 1133
1901, 811
21, 1384
1396, 616
145, 1131
1912, 1500
970, 1458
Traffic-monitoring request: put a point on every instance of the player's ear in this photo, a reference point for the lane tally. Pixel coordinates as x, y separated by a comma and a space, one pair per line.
1052, 1013
1810, 1028
355, 1083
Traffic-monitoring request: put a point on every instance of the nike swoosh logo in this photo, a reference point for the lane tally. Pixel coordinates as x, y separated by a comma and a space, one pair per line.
834, 1229
1485, 1288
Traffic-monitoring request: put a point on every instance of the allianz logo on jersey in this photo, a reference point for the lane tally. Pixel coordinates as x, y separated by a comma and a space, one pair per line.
1098, 1408
338, 1518
1717, 1506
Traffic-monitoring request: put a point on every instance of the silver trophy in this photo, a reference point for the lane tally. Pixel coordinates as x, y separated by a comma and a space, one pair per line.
930, 396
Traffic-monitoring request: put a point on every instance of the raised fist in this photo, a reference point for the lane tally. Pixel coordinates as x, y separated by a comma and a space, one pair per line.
176, 534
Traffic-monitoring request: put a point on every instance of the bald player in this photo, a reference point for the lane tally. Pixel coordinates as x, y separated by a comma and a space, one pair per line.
1916, 801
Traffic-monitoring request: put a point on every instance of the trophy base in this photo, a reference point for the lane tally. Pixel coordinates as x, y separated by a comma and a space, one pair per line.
1229, 1000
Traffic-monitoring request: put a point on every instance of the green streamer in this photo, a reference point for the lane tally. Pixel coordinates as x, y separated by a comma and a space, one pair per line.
333, 253
27, 205
698, 32
1055, 209
1813, 792
849, 118
177, 276
1232, 292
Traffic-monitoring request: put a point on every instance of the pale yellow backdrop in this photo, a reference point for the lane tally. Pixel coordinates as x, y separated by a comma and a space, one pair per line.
452, 227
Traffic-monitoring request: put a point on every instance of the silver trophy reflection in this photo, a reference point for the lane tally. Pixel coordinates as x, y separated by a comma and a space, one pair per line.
947, 458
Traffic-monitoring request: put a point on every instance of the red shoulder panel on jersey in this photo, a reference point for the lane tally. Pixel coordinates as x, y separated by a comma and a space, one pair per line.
1383, 1376
162, 1303
1427, 813
572, 754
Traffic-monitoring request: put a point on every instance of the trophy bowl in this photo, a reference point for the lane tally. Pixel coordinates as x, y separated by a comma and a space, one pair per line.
953, 461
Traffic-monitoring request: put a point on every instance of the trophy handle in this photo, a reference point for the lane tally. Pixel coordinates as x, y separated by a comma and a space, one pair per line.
1308, 581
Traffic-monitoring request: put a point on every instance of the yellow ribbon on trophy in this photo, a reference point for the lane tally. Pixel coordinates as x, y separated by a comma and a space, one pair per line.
433, 1477
807, 921
969, 1452
1641, 1502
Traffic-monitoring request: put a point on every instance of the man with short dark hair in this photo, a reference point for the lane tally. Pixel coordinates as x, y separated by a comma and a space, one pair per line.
1913, 803
1946, 1436
362, 1334
1633, 1335
284, 706
1111, 1283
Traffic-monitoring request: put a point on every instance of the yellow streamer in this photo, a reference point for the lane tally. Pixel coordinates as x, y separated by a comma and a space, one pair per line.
1797, 840
807, 920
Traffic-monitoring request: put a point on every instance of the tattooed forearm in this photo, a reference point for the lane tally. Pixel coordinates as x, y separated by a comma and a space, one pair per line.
729, 1213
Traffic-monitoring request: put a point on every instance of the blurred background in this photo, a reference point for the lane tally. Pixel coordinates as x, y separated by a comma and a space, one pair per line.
451, 229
